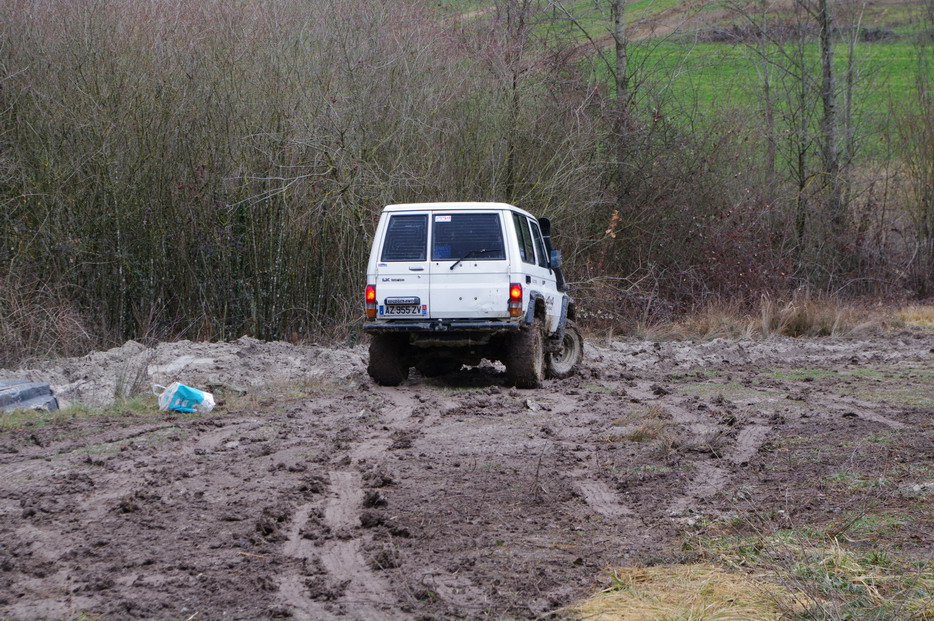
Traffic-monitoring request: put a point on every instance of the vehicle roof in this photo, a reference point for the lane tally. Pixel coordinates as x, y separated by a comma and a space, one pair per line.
454, 206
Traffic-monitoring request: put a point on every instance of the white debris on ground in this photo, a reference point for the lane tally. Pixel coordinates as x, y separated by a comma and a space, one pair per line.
99, 378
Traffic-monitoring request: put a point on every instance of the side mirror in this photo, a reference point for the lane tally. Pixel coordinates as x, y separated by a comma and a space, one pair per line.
555, 259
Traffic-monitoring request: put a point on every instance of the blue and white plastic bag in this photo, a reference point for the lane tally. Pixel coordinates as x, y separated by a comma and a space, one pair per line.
182, 398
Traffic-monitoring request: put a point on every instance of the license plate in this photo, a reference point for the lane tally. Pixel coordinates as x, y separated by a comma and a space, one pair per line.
401, 309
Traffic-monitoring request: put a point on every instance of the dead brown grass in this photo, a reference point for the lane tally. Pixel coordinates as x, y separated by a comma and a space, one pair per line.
916, 315
812, 315
698, 592
650, 429
800, 315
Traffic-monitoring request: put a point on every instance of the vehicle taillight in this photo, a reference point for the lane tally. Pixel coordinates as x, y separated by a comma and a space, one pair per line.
515, 300
370, 301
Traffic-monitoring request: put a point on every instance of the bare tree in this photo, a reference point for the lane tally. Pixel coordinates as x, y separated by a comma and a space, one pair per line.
916, 132
516, 41
829, 118
619, 69
622, 84
854, 14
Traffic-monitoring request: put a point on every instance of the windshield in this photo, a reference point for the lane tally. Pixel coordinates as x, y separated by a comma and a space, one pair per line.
477, 236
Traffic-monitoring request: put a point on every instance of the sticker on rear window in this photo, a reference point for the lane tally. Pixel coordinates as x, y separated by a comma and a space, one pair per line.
442, 218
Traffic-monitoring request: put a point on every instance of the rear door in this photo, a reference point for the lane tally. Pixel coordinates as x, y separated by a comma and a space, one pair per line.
469, 266
402, 280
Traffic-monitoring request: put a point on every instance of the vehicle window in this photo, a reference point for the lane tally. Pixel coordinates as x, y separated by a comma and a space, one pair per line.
406, 238
467, 236
525, 238
539, 244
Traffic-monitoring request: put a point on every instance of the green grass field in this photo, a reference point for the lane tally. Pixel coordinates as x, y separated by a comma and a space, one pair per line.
718, 75
704, 80
726, 75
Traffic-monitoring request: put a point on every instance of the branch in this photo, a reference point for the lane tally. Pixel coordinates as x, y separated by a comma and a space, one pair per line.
596, 47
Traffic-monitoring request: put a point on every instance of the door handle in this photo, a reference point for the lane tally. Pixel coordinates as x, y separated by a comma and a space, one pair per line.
416, 269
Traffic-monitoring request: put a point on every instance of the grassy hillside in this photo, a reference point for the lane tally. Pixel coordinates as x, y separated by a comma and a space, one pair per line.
700, 48
704, 58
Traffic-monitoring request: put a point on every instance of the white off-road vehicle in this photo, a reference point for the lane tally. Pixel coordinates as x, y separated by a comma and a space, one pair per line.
450, 284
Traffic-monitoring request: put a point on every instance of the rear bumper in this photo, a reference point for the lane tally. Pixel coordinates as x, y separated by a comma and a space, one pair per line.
435, 326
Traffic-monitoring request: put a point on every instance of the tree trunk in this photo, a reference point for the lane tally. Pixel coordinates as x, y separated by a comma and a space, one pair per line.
802, 147
516, 34
512, 138
829, 121
622, 92
771, 144
622, 75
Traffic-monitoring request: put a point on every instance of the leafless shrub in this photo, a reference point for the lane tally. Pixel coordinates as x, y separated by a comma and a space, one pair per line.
133, 377
213, 169
37, 321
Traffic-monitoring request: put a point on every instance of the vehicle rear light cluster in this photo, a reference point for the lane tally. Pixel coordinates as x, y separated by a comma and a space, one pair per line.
370, 301
515, 300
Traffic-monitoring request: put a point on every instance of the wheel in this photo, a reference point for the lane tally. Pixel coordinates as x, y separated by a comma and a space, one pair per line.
388, 365
525, 357
563, 362
435, 367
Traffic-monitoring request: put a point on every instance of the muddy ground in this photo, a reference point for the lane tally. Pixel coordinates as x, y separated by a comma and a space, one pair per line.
326, 497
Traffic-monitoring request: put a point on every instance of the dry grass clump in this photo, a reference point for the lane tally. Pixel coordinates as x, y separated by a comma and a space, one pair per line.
654, 423
717, 320
650, 429
917, 315
815, 575
803, 314
698, 592
809, 315
805, 573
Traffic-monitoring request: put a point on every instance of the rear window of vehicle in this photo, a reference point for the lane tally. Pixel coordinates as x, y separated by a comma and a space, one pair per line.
406, 238
467, 236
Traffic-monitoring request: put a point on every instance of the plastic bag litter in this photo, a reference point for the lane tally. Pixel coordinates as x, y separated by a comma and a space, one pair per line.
182, 398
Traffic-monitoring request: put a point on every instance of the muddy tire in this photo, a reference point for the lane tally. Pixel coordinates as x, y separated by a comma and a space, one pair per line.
435, 367
563, 362
388, 364
525, 357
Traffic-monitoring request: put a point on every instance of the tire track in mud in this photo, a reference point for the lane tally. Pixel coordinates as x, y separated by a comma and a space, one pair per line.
367, 595
843, 404
603, 500
292, 587
362, 593
729, 454
399, 416
859, 408
707, 481
748, 442
711, 474
401, 404
53, 449
500, 503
